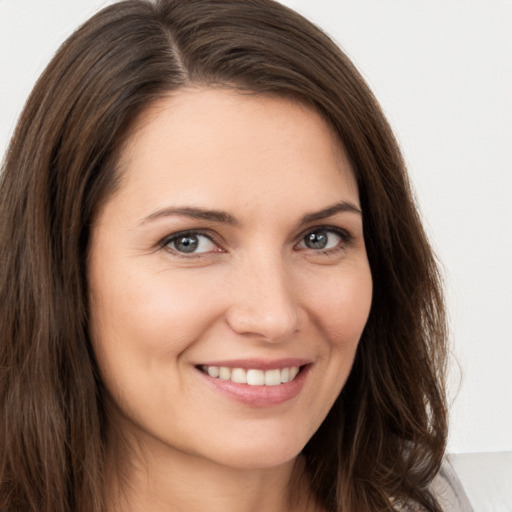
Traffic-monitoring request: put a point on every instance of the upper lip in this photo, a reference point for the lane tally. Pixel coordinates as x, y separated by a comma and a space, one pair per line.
260, 364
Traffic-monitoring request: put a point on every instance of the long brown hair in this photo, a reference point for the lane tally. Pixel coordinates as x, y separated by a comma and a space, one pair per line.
384, 438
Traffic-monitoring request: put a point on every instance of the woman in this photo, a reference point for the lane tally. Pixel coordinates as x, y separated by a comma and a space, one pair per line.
194, 315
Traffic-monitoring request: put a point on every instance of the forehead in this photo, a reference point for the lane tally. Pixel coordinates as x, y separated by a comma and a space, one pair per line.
208, 144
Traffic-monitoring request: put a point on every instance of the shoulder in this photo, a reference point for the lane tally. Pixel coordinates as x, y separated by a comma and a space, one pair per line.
448, 490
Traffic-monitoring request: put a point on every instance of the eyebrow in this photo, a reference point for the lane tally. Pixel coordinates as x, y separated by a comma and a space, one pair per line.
226, 218
341, 207
194, 213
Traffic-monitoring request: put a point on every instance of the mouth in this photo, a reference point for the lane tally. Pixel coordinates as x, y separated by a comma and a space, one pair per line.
253, 376
256, 383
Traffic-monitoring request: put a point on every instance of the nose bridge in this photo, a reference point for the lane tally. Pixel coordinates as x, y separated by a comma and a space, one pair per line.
265, 303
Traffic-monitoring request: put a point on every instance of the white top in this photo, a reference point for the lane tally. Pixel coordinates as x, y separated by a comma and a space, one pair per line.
448, 490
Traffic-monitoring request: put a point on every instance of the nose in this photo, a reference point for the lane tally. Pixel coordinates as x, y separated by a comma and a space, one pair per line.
264, 304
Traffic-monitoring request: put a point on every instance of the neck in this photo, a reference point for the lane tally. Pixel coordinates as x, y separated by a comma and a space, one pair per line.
163, 479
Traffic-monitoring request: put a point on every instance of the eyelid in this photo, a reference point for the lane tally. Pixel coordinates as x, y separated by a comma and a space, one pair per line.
343, 233
164, 242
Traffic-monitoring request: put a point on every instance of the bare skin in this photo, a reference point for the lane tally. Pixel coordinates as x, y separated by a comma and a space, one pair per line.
152, 485
229, 287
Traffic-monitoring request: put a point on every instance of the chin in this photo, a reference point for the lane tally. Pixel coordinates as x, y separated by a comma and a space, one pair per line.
268, 453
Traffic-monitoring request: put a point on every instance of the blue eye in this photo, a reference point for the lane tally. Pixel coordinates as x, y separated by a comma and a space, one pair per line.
190, 243
322, 240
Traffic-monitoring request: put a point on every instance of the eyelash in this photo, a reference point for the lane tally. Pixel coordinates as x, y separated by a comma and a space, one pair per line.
346, 239
164, 244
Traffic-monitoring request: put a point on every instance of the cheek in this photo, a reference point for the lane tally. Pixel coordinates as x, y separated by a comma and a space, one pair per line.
338, 313
341, 307
150, 313
142, 323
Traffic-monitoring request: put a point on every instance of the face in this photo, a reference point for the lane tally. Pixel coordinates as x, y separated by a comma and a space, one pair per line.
228, 278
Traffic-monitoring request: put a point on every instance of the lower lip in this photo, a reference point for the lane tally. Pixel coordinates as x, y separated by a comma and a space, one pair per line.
260, 396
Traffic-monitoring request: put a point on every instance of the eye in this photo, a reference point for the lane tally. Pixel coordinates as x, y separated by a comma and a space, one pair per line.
323, 239
190, 243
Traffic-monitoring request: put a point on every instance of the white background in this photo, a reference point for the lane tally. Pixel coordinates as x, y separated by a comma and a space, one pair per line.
442, 70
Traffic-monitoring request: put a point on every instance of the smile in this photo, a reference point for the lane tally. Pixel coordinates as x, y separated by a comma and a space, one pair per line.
252, 376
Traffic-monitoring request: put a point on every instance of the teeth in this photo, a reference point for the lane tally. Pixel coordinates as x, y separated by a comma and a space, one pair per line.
255, 377
252, 376
213, 371
224, 373
272, 378
239, 375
